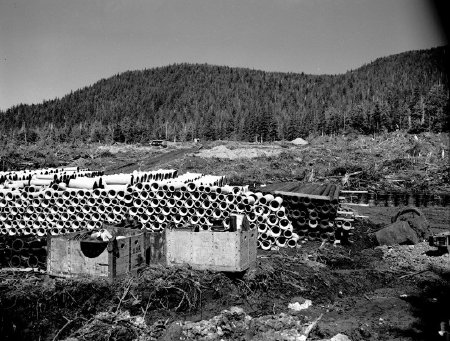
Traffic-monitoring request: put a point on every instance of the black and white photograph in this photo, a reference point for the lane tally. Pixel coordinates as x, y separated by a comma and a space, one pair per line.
214, 170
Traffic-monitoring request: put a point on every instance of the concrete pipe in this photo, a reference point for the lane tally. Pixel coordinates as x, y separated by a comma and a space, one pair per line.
306, 201
55, 231
165, 211
160, 218
39, 231
266, 245
80, 216
217, 214
128, 199
50, 218
154, 203
111, 218
143, 195
77, 225
84, 183
251, 217
15, 261
3, 203
41, 217
171, 202
160, 194
40, 182
230, 199
80, 194
178, 195
231, 207
36, 202
138, 203
191, 187
280, 241
112, 193
259, 210
4, 216
90, 225
205, 204
73, 202
144, 219
346, 225
292, 243
212, 197
189, 203
221, 197
240, 208
101, 208
223, 206
324, 224
60, 202
196, 196
313, 224
323, 236
287, 234
274, 231
281, 213
312, 214
86, 209
96, 193
272, 220
226, 223
148, 210
324, 211
27, 230
200, 212
260, 219
64, 216
285, 224
313, 235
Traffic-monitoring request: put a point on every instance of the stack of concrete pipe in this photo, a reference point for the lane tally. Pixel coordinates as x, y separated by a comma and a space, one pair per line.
158, 199
23, 252
312, 208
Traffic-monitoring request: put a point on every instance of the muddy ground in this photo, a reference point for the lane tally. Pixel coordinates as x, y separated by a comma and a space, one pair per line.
364, 292
361, 290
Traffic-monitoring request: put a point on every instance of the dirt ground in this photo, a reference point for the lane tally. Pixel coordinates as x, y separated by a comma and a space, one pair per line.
364, 291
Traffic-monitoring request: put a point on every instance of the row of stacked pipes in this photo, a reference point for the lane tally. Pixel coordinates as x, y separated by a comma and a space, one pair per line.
59, 201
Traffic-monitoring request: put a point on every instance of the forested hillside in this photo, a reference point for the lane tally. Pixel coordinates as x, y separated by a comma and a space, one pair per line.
404, 91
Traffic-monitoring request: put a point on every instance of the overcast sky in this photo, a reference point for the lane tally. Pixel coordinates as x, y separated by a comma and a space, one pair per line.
49, 47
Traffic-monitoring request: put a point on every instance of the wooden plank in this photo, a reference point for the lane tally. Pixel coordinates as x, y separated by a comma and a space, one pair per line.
303, 195
346, 191
355, 204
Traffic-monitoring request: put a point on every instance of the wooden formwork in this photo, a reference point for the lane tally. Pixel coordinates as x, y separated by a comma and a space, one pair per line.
70, 258
212, 250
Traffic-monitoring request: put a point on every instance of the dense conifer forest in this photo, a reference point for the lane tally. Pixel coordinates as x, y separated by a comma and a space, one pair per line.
406, 91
